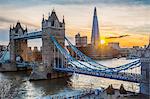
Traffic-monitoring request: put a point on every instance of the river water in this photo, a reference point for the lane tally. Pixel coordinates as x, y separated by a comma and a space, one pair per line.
14, 85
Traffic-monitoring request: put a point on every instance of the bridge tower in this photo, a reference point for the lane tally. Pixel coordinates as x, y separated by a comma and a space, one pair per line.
145, 71
50, 55
17, 47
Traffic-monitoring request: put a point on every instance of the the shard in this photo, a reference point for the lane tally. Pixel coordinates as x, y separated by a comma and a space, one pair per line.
95, 38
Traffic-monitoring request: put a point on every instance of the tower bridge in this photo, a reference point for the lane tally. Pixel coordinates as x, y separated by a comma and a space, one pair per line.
57, 61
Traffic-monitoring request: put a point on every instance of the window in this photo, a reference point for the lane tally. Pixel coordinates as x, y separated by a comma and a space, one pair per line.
53, 23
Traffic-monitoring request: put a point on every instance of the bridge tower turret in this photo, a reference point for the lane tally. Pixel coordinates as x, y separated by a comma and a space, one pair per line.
50, 55
145, 71
17, 47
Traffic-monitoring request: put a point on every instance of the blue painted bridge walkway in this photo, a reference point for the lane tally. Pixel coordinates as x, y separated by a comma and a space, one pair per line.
136, 78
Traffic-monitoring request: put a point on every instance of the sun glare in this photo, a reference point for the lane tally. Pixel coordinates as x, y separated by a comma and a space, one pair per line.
103, 41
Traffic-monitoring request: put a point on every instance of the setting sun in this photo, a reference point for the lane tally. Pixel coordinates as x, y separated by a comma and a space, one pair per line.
103, 41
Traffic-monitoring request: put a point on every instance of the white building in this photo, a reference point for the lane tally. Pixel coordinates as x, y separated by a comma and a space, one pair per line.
80, 41
114, 45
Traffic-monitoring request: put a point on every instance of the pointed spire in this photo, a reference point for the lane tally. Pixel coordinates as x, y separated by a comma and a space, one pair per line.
95, 39
53, 10
10, 27
26, 29
63, 19
18, 25
95, 12
43, 18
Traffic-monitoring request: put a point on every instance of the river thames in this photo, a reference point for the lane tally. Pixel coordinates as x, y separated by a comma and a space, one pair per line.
14, 85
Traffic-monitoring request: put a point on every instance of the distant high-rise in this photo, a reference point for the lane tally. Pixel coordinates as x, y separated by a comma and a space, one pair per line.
80, 41
95, 38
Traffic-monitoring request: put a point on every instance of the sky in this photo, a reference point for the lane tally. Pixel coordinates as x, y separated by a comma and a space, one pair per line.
124, 21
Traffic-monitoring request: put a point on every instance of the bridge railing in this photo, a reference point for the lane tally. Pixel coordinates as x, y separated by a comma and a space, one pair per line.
118, 76
84, 57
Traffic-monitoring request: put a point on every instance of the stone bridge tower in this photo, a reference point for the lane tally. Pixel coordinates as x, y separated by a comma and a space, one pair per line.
17, 47
50, 55
145, 71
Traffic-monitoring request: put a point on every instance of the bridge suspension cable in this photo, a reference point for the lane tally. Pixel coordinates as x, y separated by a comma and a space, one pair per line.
90, 61
80, 68
77, 63
127, 66
4, 53
72, 60
85, 58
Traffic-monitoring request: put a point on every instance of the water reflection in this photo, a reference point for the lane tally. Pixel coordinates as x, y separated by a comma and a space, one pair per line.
30, 90
16, 86
84, 81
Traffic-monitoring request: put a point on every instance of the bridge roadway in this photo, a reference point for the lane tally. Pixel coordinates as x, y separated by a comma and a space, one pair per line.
32, 35
26, 64
131, 77
136, 78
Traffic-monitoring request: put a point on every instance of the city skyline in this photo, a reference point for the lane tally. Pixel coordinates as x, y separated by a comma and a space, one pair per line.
74, 49
124, 22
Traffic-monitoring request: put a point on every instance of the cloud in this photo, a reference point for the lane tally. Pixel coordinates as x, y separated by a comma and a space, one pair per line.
6, 20
27, 3
142, 29
120, 16
115, 37
9, 20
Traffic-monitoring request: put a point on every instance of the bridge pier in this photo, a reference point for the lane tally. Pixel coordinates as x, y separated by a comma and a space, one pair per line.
9, 67
46, 74
145, 71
